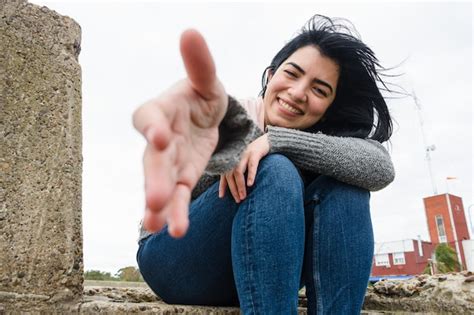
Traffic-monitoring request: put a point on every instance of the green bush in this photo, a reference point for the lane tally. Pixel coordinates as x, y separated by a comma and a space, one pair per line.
129, 273
446, 259
99, 275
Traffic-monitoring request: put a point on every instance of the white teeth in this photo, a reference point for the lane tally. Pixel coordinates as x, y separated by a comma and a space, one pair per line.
288, 107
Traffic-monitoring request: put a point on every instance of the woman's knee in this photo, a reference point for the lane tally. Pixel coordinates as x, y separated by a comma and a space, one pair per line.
280, 173
326, 187
335, 203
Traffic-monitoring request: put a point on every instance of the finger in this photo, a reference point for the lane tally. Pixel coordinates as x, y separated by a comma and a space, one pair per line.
240, 179
222, 186
178, 221
152, 123
232, 186
160, 176
153, 221
254, 160
198, 63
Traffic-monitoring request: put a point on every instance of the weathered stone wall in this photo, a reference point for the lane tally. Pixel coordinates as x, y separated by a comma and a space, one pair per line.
439, 294
41, 156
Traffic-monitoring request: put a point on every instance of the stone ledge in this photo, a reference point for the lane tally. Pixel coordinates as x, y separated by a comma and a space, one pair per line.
97, 306
445, 293
438, 294
143, 300
112, 300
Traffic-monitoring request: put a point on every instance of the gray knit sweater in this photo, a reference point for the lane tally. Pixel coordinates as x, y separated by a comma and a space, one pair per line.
360, 162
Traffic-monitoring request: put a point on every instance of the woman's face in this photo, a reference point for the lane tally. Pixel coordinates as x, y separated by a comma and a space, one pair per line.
301, 90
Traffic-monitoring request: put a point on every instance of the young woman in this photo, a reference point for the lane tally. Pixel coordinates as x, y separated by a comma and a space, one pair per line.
296, 165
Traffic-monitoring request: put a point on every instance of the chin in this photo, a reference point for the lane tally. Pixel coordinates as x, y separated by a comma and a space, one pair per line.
282, 123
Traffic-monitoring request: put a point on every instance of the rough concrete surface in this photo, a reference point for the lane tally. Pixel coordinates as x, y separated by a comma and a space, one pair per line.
41, 156
414, 296
428, 295
439, 294
142, 299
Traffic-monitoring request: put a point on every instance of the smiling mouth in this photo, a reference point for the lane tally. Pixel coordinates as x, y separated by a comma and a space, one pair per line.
289, 108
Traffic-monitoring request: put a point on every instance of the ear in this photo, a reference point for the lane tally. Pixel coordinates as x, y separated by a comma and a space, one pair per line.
269, 74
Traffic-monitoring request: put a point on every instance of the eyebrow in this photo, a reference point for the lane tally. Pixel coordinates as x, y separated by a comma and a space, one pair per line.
314, 80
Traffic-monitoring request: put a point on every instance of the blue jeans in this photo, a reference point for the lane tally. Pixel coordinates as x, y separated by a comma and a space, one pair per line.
259, 253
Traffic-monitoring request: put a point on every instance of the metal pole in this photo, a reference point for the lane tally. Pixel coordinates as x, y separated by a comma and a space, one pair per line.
427, 148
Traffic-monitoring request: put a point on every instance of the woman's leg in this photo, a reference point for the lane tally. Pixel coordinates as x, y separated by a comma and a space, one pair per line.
268, 239
196, 269
339, 247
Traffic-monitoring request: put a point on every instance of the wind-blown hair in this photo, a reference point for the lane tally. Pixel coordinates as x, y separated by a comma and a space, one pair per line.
359, 109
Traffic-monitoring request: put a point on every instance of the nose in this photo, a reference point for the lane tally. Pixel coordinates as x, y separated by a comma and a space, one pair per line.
298, 92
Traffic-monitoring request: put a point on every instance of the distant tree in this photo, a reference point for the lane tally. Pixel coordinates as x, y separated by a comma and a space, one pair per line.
129, 273
98, 275
446, 259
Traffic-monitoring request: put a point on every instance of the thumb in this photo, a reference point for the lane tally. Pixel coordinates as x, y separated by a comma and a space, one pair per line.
198, 63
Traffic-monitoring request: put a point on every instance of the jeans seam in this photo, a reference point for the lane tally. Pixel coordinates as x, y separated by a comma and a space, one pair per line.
247, 227
316, 279
346, 251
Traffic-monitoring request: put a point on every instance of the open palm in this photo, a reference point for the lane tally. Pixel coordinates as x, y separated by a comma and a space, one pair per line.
181, 128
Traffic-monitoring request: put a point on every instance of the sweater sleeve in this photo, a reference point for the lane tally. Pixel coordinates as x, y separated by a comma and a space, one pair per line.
236, 131
359, 162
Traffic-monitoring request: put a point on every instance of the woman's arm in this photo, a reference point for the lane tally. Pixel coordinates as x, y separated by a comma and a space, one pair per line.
360, 162
236, 131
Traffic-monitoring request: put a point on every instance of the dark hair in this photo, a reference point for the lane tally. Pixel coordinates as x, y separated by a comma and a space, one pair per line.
359, 105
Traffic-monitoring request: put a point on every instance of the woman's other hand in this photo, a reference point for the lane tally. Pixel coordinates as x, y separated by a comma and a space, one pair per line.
235, 179
181, 129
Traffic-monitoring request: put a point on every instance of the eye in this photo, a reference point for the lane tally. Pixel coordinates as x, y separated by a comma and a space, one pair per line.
320, 92
290, 73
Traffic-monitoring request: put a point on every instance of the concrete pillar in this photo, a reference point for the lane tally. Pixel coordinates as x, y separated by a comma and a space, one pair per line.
40, 156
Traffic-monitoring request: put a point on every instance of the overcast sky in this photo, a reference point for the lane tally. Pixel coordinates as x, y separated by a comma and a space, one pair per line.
130, 54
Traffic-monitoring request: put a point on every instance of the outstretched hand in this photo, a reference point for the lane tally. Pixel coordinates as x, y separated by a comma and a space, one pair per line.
181, 129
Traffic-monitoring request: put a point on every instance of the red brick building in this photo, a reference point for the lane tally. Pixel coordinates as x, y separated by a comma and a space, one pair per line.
446, 224
405, 257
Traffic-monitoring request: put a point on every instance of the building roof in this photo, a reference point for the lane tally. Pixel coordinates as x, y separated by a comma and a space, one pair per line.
394, 247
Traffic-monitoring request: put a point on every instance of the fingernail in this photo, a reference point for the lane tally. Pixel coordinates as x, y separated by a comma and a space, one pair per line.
171, 229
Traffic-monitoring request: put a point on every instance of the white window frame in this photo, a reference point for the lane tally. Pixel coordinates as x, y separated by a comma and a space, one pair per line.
382, 260
399, 258
442, 238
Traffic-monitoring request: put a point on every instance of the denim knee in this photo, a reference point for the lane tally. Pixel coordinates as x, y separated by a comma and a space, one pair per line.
268, 239
280, 174
324, 186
